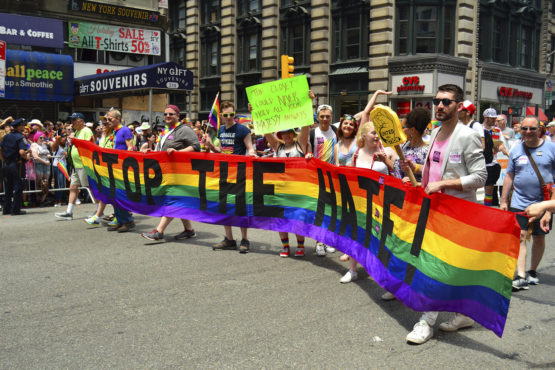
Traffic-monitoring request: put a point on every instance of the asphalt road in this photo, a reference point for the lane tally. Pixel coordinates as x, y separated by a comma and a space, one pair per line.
76, 296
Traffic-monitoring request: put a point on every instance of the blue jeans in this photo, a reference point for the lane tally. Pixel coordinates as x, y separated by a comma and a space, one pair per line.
60, 182
122, 215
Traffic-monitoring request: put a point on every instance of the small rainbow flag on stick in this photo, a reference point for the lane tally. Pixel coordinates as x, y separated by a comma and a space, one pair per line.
243, 119
214, 116
63, 168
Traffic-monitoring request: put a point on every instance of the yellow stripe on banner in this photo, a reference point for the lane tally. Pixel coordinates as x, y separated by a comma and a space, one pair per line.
466, 258
450, 252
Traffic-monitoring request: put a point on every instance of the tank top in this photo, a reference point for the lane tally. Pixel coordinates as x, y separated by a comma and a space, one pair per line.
346, 159
295, 152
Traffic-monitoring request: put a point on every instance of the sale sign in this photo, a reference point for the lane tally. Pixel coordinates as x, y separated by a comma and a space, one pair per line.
2, 69
86, 35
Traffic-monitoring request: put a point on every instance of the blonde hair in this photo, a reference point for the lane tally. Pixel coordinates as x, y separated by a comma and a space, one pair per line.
363, 130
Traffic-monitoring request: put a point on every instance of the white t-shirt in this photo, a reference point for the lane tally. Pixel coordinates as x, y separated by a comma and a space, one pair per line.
324, 144
477, 126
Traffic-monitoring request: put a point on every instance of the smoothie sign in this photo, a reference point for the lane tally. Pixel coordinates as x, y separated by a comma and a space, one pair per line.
97, 36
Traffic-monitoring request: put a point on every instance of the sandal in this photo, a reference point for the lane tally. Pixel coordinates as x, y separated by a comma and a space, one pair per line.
344, 258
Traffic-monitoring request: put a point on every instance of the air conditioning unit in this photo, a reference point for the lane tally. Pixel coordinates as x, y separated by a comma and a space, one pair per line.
125, 59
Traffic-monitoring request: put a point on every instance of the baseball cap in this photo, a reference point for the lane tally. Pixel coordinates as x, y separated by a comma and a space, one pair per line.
490, 113
469, 106
19, 121
77, 115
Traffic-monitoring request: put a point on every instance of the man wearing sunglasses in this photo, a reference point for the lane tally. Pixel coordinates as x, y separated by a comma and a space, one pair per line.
174, 137
234, 139
522, 178
455, 165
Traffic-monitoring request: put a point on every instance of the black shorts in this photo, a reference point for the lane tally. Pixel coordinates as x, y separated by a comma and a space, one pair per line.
493, 174
523, 222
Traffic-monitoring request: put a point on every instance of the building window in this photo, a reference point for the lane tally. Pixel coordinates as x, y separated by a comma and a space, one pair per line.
246, 7
248, 51
210, 58
210, 11
207, 97
350, 27
425, 28
295, 31
510, 33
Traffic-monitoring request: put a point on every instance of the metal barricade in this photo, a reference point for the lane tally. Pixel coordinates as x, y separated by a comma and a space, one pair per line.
32, 186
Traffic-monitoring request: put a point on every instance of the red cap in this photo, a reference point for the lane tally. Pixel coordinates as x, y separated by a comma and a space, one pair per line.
467, 104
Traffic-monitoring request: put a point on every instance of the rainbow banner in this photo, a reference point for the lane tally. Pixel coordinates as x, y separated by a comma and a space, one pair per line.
434, 253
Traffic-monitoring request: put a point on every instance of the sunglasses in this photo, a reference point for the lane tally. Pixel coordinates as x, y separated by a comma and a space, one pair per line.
446, 102
528, 128
169, 114
228, 115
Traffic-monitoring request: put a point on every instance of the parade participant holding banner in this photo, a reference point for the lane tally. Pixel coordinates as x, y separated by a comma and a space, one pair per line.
121, 138
346, 134
455, 165
322, 146
234, 139
175, 137
530, 176
78, 174
414, 149
286, 144
373, 156
105, 141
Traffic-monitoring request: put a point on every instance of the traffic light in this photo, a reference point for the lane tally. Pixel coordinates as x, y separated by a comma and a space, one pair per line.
514, 111
287, 66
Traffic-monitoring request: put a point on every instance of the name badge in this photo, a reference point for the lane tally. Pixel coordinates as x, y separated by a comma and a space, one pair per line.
539, 153
436, 156
523, 160
170, 137
455, 157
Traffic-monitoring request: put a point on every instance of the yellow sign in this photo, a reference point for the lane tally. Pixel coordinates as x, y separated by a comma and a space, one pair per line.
387, 125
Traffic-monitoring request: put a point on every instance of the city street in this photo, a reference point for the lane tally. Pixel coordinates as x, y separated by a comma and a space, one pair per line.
77, 296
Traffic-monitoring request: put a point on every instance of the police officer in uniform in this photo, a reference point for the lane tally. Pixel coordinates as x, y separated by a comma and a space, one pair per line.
14, 151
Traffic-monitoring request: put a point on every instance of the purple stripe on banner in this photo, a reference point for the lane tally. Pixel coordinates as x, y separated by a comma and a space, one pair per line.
412, 299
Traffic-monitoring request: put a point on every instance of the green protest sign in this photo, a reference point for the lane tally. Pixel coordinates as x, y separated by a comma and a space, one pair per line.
280, 105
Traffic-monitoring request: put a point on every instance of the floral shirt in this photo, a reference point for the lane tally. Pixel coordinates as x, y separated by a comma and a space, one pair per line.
416, 155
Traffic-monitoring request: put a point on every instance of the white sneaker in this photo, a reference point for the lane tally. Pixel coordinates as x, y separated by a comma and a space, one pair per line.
329, 249
348, 277
456, 322
388, 296
320, 249
64, 215
420, 333
77, 201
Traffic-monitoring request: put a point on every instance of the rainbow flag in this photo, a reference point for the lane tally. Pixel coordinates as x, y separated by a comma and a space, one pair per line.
433, 252
214, 116
243, 119
63, 168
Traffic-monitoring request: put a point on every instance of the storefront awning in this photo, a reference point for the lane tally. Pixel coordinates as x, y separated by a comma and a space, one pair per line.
39, 76
161, 76
541, 114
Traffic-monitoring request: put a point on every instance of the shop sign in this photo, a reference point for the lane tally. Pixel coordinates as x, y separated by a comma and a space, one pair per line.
86, 35
2, 69
509, 92
168, 75
411, 84
86, 69
115, 11
39, 76
24, 30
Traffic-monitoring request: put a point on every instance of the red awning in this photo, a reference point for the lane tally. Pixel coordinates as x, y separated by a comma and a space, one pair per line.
541, 114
